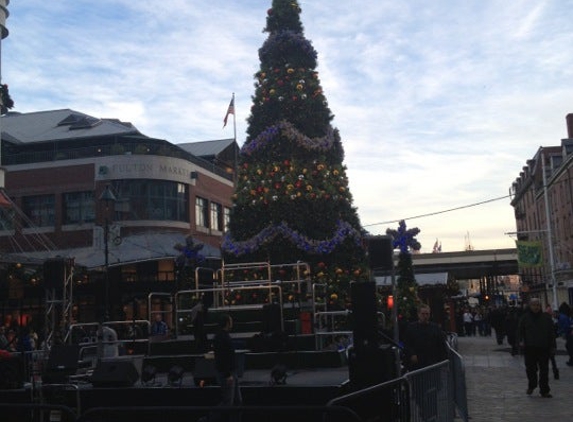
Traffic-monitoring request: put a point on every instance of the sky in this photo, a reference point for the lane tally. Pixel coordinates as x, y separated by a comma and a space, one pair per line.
439, 103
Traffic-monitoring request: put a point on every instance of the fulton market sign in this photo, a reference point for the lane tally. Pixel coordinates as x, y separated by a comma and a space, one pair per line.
142, 167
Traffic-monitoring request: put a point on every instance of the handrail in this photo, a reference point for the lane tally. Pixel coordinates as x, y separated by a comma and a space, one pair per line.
221, 290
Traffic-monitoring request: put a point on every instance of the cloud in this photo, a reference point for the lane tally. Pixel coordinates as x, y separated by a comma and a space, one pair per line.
439, 104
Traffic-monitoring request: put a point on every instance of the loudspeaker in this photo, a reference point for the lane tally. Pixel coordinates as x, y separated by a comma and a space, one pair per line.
54, 270
365, 318
371, 366
63, 361
381, 252
204, 372
115, 373
271, 318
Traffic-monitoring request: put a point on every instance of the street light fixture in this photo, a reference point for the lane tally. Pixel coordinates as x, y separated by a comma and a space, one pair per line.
108, 199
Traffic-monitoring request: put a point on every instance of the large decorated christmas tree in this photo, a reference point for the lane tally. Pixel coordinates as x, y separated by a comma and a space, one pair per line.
292, 201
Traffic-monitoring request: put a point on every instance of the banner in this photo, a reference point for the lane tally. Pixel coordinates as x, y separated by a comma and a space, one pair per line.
529, 253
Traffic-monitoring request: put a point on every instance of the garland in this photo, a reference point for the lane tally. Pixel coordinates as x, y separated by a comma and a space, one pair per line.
287, 129
343, 231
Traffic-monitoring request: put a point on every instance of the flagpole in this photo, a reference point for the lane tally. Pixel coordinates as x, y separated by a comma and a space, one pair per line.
235, 139
234, 119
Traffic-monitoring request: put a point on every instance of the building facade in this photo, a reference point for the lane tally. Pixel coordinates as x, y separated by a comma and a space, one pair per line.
58, 164
542, 198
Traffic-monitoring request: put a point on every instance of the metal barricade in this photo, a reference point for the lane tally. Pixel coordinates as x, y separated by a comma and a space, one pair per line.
458, 384
430, 393
386, 402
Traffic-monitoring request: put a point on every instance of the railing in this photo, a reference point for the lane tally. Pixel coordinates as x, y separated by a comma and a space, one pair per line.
430, 393
87, 336
389, 401
185, 300
458, 374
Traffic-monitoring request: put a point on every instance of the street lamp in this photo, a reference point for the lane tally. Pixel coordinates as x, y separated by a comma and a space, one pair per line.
107, 198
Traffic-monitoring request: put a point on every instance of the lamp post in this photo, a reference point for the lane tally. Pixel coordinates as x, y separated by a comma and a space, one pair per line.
107, 198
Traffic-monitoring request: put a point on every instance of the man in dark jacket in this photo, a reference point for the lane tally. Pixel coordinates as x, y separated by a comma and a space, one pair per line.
425, 341
425, 345
536, 336
225, 364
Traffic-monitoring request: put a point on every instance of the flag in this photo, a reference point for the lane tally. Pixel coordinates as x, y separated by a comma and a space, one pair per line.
230, 110
529, 253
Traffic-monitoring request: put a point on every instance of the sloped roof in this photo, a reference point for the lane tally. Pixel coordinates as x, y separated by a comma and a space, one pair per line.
206, 148
58, 125
134, 248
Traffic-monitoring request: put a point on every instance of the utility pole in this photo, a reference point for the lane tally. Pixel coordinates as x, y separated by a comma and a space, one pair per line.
549, 234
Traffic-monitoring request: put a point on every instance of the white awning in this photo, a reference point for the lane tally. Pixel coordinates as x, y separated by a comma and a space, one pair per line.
429, 279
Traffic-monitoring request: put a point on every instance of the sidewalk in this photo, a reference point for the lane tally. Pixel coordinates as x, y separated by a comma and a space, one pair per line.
496, 384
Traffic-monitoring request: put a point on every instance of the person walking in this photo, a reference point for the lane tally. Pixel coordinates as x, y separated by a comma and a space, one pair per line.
468, 322
510, 324
424, 341
425, 345
536, 337
497, 319
565, 329
226, 364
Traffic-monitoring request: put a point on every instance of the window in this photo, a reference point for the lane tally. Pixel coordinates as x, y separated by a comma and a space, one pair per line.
216, 216
226, 219
39, 210
79, 207
7, 216
151, 200
201, 212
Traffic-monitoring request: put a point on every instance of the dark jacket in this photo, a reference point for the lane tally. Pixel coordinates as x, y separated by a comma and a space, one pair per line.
427, 341
536, 330
224, 353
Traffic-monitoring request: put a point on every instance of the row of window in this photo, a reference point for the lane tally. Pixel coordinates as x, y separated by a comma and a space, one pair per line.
211, 215
136, 200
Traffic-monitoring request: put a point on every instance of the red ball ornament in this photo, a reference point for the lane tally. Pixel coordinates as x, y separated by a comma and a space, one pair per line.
270, 12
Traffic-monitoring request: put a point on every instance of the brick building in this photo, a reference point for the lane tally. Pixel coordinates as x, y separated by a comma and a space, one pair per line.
57, 164
542, 197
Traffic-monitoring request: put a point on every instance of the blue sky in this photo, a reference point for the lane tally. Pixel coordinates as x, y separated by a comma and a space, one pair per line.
439, 103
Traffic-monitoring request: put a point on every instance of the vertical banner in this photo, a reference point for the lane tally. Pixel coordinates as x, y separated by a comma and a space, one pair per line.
529, 253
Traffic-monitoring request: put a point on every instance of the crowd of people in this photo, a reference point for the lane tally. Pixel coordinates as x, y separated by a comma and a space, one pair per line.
15, 338
529, 331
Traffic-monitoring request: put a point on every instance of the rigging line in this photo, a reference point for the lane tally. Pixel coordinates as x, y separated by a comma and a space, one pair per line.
440, 212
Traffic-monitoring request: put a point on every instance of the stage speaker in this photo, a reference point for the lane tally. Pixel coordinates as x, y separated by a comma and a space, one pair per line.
11, 373
204, 372
371, 366
365, 318
114, 373
271, 318
54, 271
63, 361
381, 252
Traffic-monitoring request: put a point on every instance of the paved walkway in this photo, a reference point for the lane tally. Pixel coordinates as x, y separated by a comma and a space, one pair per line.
496, 384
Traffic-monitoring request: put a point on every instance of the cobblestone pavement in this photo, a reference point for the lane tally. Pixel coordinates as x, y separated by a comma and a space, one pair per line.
496, 384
